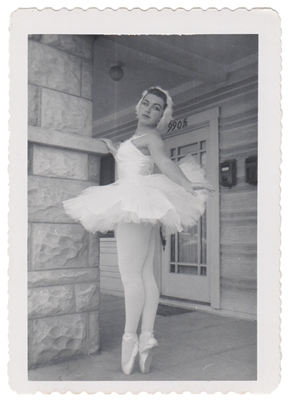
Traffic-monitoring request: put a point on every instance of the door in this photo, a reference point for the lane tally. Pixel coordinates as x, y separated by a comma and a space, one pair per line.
190, 261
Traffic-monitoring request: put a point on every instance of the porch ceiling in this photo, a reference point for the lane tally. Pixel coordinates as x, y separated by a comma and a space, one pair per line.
174, 62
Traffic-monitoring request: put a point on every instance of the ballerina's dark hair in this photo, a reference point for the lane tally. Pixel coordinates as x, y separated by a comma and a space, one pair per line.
158, 93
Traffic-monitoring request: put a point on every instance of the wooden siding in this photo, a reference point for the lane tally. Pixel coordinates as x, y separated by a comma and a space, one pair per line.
110, 281
238, 138
238, 208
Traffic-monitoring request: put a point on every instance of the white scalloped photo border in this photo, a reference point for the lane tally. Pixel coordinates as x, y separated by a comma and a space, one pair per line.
265, 23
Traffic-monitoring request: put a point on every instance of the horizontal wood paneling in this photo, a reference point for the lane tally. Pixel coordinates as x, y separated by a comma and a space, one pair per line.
238, 218
239, 285
238, 269
240, 151
238, 234
244, 115
110, 269
241, 187
238, 121
242, 135
239, 251
108, 243
108, 259
247, 101
110, 280
112, 249
238, 201
111, 274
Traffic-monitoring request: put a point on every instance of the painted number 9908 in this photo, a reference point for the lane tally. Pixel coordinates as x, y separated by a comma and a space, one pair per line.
181, 123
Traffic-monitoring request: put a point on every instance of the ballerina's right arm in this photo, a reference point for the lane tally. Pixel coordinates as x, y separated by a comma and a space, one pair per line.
112, 148
169, 168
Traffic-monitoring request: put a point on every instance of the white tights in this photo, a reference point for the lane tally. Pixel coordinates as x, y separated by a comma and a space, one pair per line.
136, 248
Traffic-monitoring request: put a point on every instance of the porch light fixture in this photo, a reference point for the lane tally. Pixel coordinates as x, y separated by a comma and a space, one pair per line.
116, 73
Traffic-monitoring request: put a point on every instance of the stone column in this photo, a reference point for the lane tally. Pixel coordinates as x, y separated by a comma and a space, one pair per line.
63, 265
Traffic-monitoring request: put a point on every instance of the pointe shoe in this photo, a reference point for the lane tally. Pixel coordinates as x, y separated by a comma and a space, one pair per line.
147, 346
129, 352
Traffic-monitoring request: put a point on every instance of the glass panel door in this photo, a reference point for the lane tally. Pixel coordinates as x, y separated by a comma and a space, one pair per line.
190, 264
186, 273
188, 248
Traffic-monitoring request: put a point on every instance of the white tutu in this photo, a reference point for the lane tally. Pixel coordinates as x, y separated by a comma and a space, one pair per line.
139, 196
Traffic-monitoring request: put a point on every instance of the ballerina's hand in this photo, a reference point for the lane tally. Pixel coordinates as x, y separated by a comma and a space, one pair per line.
191, 187
110, 145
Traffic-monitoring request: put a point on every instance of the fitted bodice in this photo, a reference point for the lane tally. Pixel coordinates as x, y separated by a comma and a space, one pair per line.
132, 162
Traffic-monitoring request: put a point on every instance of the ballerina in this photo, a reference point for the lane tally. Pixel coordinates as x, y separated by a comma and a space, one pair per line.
134, 206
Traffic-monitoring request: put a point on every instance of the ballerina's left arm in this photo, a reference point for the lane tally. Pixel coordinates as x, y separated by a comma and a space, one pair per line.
169, 168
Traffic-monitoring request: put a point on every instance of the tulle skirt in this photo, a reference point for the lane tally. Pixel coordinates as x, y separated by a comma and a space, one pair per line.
141, 199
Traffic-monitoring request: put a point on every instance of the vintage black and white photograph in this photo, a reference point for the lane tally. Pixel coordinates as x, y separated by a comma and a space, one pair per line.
142, 207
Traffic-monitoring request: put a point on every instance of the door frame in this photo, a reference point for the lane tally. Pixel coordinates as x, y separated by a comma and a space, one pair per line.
208, 118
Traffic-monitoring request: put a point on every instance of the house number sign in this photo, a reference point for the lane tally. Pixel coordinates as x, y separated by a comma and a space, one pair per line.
177, 125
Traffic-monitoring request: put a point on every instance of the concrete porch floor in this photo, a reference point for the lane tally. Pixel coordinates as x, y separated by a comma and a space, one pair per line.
194, 346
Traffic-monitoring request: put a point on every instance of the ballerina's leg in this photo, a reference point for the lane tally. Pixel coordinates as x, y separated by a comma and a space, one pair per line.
133, 246
150, 287
147, 342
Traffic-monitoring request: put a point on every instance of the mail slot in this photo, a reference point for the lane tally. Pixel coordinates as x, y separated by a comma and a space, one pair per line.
251, 170
228, 173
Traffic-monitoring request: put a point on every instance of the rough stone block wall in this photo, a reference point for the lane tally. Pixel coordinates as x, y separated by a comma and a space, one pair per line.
63, 263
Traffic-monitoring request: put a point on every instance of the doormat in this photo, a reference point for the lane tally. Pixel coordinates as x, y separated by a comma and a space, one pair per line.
168, 311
